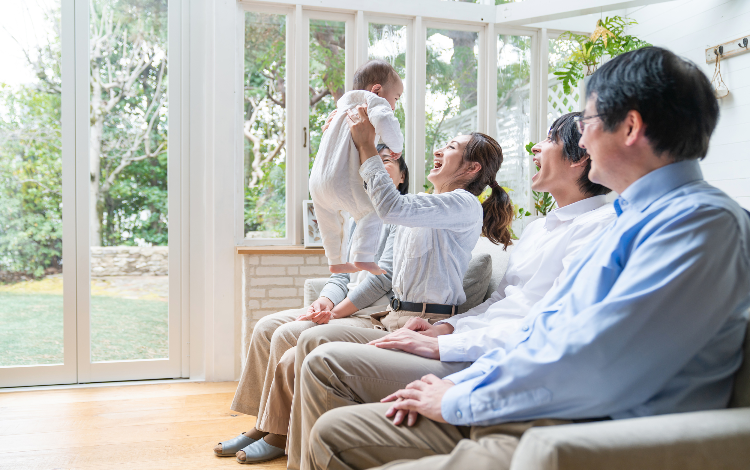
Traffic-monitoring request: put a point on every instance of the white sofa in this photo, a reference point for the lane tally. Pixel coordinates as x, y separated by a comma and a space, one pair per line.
703, 440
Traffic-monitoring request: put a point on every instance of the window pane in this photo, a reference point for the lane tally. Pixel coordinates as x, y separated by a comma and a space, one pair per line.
327, 73
128, 189
451, 89
31, 301
558, 102
265, 125
388, 42
513, 111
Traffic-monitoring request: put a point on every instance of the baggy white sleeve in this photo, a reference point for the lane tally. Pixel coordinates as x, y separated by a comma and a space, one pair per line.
384, 120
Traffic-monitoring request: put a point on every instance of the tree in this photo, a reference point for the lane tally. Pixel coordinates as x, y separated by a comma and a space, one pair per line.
128, 114
128, 97
128, 80
30, 182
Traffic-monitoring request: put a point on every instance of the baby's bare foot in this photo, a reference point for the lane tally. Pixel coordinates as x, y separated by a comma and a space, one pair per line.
373, 268
344, 268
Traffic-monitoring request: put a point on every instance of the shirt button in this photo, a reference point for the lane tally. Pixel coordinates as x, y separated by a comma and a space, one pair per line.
459, 414
525, 328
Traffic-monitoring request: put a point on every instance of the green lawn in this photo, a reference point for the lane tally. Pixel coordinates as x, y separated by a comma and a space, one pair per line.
31, 329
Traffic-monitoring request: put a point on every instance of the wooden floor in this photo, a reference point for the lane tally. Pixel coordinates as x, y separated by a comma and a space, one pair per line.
131, 427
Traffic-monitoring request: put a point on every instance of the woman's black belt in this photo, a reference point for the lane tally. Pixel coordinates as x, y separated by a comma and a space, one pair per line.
428, 308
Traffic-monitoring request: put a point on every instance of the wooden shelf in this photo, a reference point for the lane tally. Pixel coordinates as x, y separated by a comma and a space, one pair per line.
279, 250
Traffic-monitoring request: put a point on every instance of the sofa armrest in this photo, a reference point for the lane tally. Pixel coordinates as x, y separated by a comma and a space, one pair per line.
699, 440
313, 288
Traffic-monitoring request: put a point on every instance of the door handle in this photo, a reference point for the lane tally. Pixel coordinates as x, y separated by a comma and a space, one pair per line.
304, 137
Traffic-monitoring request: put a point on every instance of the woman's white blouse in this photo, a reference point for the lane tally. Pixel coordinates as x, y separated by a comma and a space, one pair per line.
433, 244
536, 265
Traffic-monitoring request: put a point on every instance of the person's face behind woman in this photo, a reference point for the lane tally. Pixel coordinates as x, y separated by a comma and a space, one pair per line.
448, 163
391, 166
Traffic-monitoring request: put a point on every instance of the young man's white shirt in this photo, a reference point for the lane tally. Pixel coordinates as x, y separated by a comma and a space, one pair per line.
536, 265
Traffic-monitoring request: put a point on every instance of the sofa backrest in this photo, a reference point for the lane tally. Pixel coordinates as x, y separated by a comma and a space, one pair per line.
741, 391
499, 261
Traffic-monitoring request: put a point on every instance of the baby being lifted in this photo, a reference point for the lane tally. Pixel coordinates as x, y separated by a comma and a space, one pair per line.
335, 183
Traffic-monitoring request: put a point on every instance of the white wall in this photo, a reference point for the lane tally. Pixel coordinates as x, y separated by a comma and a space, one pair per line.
215, 319
688, 27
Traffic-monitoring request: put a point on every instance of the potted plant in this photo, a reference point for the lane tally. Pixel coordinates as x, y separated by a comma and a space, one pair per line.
607, 40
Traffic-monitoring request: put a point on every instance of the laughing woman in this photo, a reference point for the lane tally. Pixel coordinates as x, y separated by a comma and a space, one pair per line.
436, 234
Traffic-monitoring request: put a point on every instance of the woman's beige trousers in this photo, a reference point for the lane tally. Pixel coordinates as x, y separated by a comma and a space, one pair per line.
267, 372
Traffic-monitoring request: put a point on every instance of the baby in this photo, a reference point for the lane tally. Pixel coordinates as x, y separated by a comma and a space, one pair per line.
335, 184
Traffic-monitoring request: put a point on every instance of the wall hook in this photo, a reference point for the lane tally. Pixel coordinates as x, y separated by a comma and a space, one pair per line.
726, 50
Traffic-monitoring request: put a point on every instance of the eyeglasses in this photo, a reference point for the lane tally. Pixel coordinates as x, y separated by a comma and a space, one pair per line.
580, 124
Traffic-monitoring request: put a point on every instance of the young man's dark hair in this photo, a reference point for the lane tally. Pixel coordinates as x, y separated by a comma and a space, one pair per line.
403, 188
374, 72
672, 95
563, 131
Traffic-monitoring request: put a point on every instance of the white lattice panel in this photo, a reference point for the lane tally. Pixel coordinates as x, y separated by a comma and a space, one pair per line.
558, 103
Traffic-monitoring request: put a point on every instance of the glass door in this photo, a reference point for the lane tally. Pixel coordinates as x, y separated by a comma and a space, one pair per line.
127, 327
37, 198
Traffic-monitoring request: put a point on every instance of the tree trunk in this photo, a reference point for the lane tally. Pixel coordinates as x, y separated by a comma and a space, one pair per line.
95, 153
464, 65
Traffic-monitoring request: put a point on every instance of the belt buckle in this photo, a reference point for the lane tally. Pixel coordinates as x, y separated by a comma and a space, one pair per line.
395, 304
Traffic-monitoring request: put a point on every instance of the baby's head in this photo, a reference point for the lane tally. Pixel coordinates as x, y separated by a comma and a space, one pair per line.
379, 77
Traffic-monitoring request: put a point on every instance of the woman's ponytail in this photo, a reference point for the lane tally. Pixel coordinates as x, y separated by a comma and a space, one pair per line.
498, 208
498, 215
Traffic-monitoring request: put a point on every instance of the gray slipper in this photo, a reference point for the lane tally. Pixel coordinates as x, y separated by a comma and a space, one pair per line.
232, 446
261, 451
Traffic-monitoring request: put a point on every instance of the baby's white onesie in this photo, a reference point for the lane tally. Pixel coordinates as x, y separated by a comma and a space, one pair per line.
335, 183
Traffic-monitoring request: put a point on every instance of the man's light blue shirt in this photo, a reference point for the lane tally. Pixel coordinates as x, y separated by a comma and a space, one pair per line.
649, 320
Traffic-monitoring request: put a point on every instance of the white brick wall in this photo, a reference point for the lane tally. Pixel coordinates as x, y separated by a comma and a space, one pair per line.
272, 283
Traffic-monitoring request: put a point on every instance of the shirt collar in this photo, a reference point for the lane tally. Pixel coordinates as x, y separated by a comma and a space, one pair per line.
571, 211
647, 189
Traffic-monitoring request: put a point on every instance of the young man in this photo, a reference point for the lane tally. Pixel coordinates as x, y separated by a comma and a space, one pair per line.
649, 320
537, 264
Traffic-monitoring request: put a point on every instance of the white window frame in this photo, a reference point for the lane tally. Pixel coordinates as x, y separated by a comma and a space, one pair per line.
485, 18
301, 150
293, 219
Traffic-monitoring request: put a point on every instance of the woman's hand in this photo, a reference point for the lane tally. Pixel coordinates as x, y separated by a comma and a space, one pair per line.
363, 134
422, 326
322, 317
328, 121
322, 304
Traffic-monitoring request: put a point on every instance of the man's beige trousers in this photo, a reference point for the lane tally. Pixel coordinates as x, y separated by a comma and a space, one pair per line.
340, 370
359, 437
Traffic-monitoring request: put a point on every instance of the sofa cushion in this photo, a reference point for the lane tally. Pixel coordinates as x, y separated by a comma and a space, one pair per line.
476, 280
741, 392
500, 258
